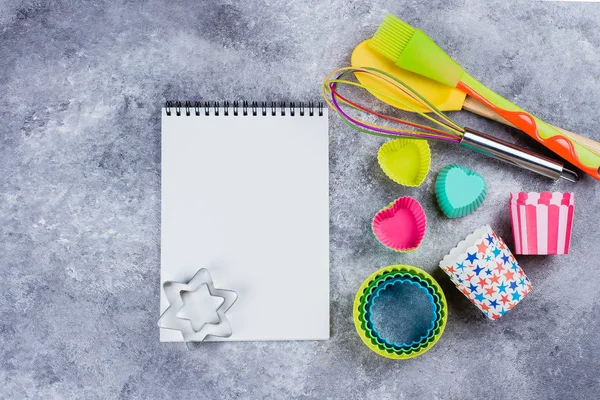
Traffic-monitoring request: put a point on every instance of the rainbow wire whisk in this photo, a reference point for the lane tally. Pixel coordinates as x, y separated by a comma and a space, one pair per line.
436, 124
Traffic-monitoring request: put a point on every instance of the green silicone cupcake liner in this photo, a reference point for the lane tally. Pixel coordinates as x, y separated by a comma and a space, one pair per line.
405, 161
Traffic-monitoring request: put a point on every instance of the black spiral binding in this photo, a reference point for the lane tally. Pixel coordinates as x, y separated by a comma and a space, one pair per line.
254, 108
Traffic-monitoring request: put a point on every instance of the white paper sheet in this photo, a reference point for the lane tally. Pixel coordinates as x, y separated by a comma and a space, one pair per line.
247, 197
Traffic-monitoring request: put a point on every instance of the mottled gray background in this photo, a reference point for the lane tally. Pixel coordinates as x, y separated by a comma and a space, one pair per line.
81, 86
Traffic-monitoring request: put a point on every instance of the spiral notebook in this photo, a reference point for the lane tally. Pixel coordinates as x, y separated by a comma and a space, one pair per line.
245, 194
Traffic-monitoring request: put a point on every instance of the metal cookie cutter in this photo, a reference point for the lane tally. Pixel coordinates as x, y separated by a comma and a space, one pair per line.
181, 316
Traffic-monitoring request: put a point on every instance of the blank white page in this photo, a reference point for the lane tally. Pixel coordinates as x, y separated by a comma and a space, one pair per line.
247, 197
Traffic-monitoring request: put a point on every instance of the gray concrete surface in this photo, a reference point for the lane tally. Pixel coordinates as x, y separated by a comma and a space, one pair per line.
81, 86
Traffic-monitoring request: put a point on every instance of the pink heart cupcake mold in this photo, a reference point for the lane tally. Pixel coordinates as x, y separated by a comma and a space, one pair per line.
401, 225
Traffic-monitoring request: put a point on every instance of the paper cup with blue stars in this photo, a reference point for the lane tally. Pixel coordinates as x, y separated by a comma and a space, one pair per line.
483, 268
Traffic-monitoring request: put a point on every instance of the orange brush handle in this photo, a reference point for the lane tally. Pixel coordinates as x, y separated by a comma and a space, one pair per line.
560, 144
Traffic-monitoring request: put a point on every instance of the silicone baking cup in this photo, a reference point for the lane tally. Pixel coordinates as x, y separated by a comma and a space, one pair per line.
405, 161
542, 222
401, 225
483, 268
459, 190
372, 288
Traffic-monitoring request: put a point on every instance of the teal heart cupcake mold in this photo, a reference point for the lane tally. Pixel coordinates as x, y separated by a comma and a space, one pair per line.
459, 190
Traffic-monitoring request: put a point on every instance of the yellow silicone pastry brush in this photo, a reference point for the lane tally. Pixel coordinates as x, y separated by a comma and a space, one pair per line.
413, 50
445, 98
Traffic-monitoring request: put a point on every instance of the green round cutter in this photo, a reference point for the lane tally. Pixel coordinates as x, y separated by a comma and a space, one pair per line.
375, 338
367, 303
362, 315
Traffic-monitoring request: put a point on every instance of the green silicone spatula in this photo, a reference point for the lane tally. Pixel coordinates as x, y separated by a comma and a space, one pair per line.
411, 49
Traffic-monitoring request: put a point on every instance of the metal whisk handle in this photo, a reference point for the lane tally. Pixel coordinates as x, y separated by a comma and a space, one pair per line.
507, 152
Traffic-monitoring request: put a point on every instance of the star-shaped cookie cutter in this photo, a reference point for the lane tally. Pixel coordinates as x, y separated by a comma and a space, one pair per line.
175, 292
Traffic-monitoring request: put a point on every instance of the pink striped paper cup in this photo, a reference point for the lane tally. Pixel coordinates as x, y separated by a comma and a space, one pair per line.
541, 222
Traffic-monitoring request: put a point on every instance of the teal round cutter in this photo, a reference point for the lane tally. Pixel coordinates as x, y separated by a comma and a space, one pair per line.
432, 303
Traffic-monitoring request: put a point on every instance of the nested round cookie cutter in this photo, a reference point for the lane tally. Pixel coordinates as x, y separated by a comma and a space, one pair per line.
373, 335
380, 285
363, 317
